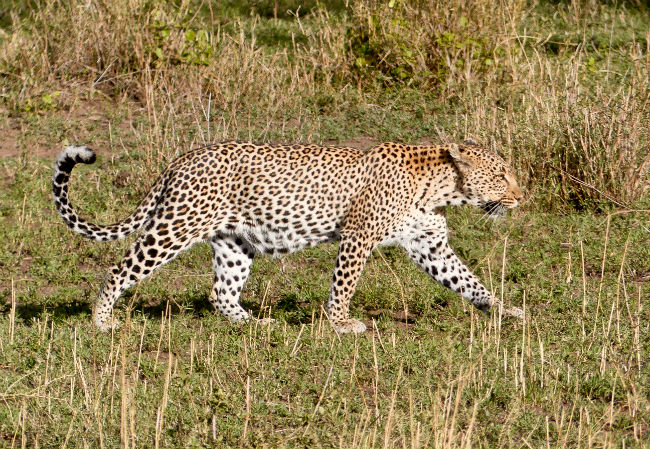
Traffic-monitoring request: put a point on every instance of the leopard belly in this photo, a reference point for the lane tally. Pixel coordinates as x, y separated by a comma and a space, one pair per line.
277, 241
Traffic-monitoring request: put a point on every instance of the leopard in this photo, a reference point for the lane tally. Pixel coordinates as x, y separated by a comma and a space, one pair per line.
248, 199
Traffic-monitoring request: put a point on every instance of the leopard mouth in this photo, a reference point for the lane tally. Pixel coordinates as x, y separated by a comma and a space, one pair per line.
493, 209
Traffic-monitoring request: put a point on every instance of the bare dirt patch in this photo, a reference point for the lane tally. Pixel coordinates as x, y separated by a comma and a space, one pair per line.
10, 131
363, 142
21, 135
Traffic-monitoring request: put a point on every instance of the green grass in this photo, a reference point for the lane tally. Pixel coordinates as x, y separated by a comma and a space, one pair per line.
565, 94
177, 375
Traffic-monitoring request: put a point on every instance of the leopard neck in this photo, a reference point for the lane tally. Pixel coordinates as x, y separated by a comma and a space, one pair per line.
442, 183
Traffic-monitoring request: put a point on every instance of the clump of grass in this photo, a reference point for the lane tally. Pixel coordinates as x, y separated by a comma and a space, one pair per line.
427, 45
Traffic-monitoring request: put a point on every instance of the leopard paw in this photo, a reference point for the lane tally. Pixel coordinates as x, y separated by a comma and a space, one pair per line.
348, 325
265, 321
515, 312
107, 325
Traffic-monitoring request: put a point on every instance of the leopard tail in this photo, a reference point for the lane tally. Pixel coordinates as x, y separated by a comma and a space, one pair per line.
66, 160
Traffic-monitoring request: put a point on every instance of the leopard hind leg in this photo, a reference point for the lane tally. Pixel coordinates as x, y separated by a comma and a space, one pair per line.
232, 258
156, 246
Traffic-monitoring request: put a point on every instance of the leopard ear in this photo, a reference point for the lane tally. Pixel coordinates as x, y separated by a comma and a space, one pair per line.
460, 156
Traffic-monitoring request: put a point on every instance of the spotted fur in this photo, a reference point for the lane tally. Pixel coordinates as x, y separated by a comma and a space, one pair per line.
247, 199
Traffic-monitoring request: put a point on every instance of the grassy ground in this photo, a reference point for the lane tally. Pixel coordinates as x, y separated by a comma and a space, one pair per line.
561, 90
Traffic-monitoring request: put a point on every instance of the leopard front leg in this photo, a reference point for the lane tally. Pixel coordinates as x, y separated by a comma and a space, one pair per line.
433, 254
352, 256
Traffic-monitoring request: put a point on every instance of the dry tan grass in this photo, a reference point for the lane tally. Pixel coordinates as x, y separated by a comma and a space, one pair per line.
565, 104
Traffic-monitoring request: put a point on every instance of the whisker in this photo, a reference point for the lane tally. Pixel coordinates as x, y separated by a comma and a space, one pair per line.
484, 217
493, 210
494, 213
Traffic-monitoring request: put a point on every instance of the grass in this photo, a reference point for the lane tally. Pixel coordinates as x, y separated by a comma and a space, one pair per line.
559, 89
176, 374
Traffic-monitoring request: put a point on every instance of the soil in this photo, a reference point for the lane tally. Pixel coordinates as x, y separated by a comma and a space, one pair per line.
10, 131
362, 142
13, 142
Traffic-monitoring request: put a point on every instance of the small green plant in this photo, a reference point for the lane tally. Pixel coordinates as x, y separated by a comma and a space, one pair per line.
590, 64
47, 102
177, 42
397, 43
379, 43
198, 48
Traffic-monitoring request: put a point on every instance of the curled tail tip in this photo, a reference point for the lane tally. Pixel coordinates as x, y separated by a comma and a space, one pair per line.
73, 155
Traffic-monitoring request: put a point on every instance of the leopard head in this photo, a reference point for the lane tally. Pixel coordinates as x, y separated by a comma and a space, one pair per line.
486, 180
